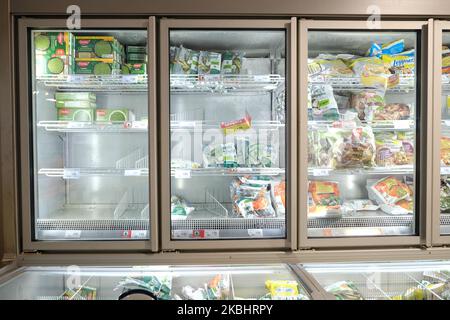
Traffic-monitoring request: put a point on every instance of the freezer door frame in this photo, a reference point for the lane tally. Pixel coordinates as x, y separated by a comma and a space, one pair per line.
440, 27
290, 242
24, 84
424, 171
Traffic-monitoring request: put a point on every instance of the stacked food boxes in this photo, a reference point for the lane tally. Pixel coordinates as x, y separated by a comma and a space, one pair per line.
136, 60
98, 55
54, 52
75, 106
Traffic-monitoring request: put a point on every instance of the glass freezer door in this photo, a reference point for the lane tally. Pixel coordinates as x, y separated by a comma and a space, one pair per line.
228, 125
444, 150
89, 132
363, 116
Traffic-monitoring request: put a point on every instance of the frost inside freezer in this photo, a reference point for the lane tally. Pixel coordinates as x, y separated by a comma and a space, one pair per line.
227, 134
362, 115
90, 145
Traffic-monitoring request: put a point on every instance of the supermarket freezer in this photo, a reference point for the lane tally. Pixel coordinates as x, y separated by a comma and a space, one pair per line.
89, 154
220, 282
362, 156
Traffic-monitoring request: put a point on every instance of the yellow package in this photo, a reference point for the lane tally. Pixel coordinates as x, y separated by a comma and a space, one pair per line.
282, 288
402, 64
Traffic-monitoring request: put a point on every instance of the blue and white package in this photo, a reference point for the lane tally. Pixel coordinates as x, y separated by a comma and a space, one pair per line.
374, 50
393, 47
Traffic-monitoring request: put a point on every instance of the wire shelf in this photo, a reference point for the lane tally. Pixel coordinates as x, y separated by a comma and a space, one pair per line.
76, 173
76, 82
229, 223
225, 83
406, 83
200, 172
376, 126
93, 127
361, 221
199, 125
92, 225
400, 169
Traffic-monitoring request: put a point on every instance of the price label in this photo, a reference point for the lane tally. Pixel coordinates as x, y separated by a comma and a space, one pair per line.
401, 124
139, 234
255, 233
132, 172
445, 170
182, 174
75, 78
71, 174
72, 234
129, 79
321, 172
139, 124
75, 124
181, 234
262, 78
447, 123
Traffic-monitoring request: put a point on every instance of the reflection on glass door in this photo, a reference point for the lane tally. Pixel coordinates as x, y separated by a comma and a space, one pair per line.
445, 137
90, 145
362, 116
227, 133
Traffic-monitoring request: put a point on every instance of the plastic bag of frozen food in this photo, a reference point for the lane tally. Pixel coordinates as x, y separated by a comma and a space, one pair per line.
366, 102
278, 193
251, 197
262, 155
401, 63
394, 148
393, 111
160, 285
220, 155
218, 288
232, 62
393, 47
359, 205
344, 290
186, 61
353, 148
445, 151
445, 60
323, 104
282, 289
172, 56
179, 209
324, 198
209, 62
333, 68
445, 195
393, 195
320, 148
374, 72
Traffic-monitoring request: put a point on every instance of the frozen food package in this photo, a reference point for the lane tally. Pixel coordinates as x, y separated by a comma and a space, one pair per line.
235, 125
401, 63
173, 52
159, 285
218, 288
283, 289
359, 205
242, 149
232, 62
393, 111
323, 104
394, 148
262, 155
333, 68
186, 61
324, 198
365, 103
220, 155
445, 60
392, 47
445, 151
393, 195
209, 62
278, 193
354, 148
320, 148
374, 72
179, 208
229, 155
344, 290
445, 195
190, 293
251, 197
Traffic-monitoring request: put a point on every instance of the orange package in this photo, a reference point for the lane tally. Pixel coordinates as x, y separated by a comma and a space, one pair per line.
325, 196
278, 192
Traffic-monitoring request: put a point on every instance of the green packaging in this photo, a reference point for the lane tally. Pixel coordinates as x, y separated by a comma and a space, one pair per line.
78, 104
75, 114
53, 52
84, 96
136, 57
136, 49
114, 115
103, 47
134, 68
97, 67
